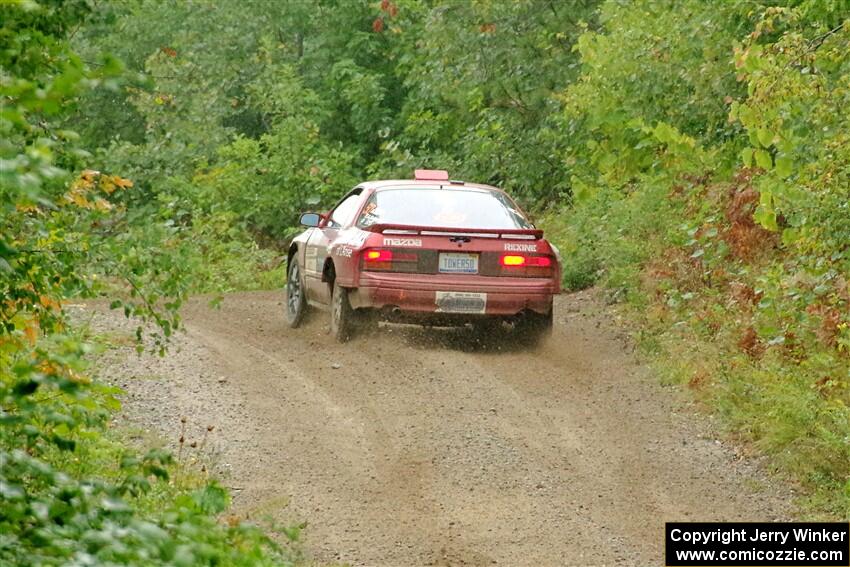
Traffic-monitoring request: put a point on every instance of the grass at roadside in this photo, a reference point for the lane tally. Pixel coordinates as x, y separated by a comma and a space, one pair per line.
227, 258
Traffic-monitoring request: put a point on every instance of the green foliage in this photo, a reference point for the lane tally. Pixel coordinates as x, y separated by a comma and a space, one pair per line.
330, 91
710, 190
221, 138
69, 497
484, 104
67, 494
268, 180
799, 132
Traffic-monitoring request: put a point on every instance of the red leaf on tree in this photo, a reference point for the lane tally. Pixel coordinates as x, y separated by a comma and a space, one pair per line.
378, 25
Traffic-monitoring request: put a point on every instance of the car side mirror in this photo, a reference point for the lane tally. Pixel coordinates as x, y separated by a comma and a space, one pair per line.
311, 219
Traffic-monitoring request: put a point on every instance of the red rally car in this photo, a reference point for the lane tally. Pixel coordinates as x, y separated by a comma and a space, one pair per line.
430, 251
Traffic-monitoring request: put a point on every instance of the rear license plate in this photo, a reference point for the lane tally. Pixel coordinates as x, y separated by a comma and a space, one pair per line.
456, 263
461, 302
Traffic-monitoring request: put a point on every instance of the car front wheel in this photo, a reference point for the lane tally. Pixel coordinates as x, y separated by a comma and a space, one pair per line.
296, 303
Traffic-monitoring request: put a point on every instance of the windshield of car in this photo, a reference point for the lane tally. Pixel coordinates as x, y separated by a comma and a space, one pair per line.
444, 208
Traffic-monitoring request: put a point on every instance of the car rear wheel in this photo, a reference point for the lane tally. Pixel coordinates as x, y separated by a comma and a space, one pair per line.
296, 303
342, 315
488, 328
534, 327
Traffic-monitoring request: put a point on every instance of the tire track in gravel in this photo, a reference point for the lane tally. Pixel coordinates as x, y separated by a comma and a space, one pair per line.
421, 447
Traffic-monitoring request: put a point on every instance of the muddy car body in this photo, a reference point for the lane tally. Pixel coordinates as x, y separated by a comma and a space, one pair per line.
427, 250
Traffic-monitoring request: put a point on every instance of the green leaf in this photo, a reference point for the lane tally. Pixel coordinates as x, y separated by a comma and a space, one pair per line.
766, 217
784, 166
790, 236
753, 137
763, 159
664, 133
582, 192
765, 137
747, 156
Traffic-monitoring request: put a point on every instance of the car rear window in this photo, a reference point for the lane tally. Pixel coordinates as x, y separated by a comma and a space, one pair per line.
444, 208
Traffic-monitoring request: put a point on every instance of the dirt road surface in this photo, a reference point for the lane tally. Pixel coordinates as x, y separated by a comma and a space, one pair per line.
410, 447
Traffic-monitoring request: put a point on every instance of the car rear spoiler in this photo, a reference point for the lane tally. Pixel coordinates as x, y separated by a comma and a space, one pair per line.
529, 233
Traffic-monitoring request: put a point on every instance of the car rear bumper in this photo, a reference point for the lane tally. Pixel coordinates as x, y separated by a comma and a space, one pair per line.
417, 293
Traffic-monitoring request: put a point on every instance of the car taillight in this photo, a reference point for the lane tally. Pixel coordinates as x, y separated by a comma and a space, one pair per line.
525, 265
378, 256
511, 260
390, 260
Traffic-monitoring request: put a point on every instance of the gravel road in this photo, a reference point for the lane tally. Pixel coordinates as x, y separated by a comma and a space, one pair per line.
413, 447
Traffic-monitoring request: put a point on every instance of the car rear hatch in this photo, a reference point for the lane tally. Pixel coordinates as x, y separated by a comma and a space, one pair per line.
459, 252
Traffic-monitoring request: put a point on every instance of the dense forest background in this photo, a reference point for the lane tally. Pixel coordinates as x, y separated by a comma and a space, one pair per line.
691, 157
